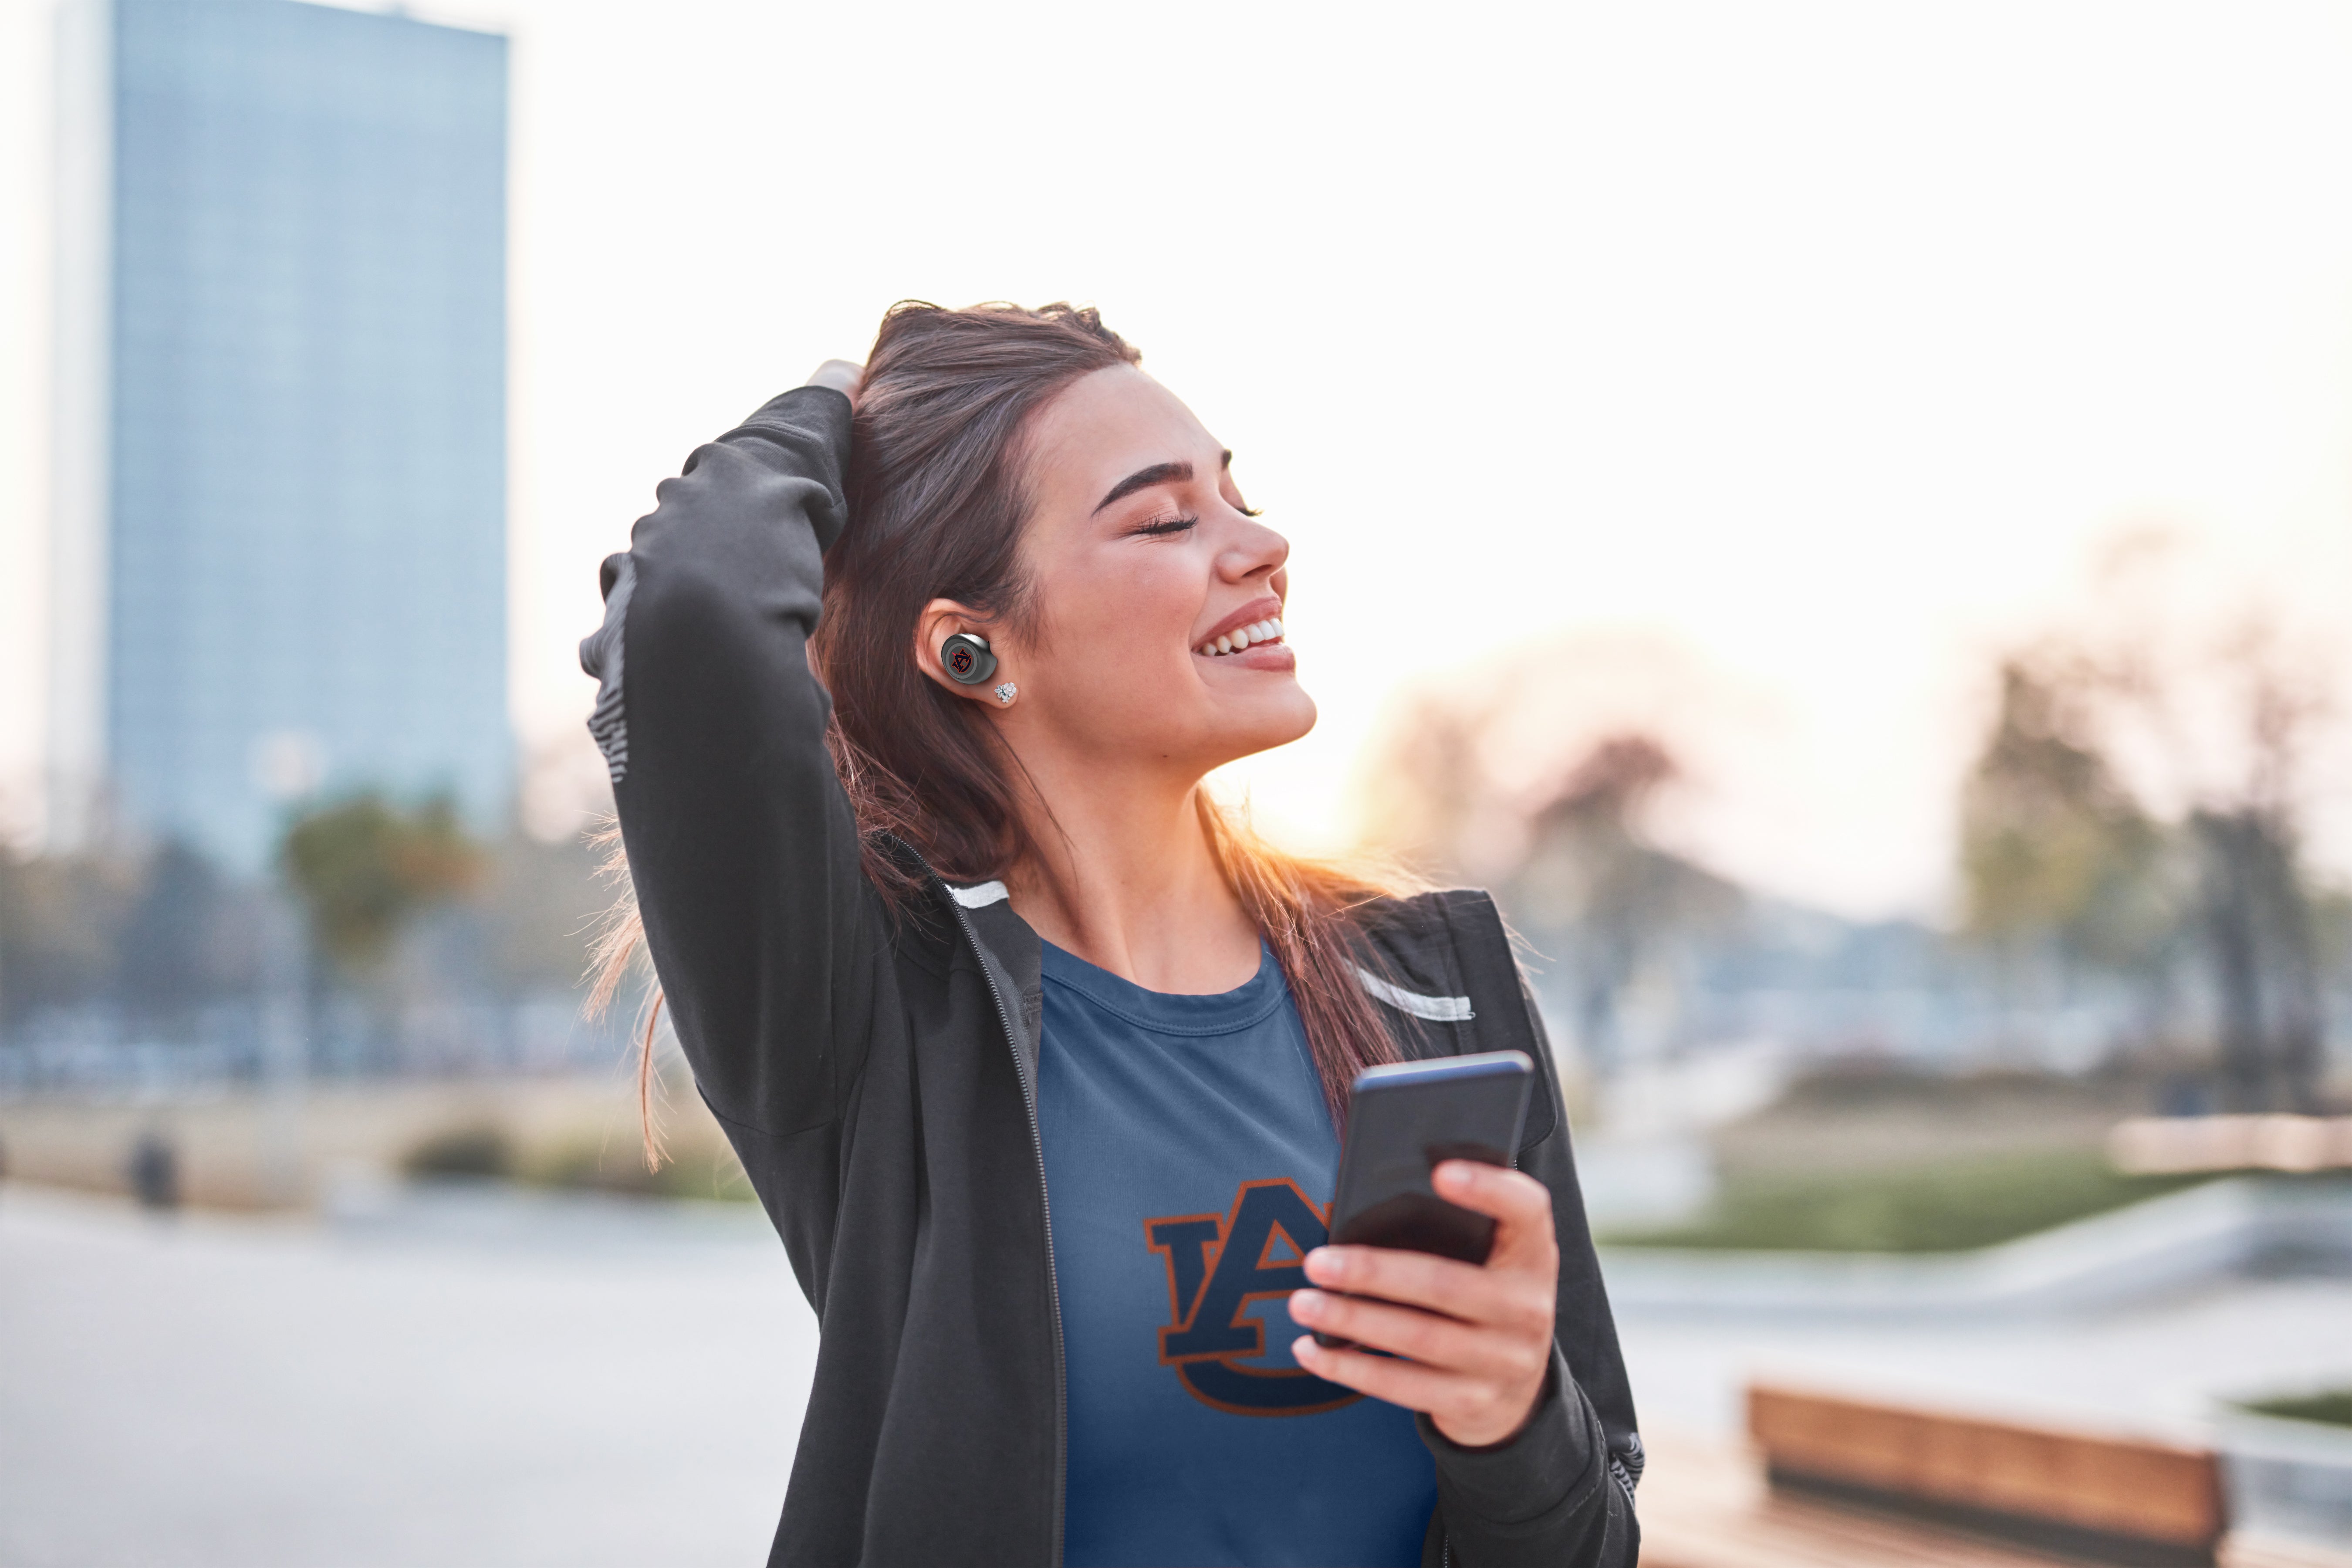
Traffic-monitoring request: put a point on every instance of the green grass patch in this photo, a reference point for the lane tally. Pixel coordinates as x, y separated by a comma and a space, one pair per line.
2332, 1409
1952, 1206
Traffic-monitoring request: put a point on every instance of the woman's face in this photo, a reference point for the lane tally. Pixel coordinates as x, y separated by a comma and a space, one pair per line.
1143, 555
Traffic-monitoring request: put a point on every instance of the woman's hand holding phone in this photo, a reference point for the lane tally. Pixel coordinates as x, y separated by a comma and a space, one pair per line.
1476, 1340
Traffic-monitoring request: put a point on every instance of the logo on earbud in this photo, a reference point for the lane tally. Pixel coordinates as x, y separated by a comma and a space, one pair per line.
967, 659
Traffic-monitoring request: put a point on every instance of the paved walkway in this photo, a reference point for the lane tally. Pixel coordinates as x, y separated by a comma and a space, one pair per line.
500, 1380
251, 1395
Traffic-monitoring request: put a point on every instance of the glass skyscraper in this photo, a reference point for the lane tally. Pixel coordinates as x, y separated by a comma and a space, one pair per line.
281, 533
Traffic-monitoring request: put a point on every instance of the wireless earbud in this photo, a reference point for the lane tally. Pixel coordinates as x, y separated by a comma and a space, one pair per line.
967, 659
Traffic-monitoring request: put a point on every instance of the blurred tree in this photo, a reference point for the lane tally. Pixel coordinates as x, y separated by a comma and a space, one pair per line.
2058, 849
415, 918
365, 868
2257, 905
1615, 903
2256, 920
60, 919
2053, 848
1571, 858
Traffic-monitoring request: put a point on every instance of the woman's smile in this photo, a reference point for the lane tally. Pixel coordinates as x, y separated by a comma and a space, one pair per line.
1255, 628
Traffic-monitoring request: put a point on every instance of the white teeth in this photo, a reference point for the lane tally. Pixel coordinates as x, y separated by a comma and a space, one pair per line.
1268, 630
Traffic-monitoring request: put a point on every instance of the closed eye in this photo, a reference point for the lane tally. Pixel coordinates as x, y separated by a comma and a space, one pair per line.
1160, 527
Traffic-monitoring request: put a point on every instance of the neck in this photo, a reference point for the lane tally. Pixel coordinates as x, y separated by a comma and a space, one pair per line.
1123, 877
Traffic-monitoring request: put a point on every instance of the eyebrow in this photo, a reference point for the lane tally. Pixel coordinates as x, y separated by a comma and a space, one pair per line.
1158, 473
1144, 479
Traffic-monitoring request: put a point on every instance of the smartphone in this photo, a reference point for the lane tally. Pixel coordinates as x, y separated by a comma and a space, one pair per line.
1401, 1120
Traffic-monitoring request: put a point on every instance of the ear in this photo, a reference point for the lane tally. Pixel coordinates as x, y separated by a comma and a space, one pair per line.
941, 619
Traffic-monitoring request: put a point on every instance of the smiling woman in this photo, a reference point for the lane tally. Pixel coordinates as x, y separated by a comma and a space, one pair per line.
1038, 1058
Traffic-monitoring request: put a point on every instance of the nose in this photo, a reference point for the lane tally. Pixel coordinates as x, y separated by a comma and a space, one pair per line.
1256, 550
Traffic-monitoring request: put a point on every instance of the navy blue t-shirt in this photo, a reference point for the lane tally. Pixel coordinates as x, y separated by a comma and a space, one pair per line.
1189, 1159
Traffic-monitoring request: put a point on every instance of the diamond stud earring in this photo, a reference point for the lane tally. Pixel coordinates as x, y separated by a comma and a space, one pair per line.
1006, 693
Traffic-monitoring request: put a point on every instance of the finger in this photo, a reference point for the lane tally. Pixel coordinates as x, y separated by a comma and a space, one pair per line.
1468, 1349
1519, 1205
1414, 1278
1405, 1382
1513, 1294
1514, 1197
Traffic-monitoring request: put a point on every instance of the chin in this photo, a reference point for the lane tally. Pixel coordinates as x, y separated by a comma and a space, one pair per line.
1276, 720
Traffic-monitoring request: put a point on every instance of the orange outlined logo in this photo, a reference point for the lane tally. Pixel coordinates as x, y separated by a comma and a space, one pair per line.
1216, 1267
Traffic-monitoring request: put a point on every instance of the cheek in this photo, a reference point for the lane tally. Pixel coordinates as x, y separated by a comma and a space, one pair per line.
1116, 626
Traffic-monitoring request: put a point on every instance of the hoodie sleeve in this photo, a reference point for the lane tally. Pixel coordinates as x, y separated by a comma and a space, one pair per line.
1553, 1495
1560, 1493
742, 844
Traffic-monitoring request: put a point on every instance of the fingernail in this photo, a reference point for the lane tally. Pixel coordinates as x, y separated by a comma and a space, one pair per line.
1303, 1347
1306, 1304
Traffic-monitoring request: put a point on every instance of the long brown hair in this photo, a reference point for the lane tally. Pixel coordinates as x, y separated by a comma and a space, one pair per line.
936, 499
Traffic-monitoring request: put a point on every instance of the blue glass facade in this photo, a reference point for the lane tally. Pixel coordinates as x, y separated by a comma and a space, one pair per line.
306, 567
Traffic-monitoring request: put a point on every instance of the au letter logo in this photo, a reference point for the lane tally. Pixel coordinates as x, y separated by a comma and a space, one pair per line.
1218, 1264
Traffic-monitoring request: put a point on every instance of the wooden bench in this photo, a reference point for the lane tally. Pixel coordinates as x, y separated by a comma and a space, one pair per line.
1707, 1505
2095, 1499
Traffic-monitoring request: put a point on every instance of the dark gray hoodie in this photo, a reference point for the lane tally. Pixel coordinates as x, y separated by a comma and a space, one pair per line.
875, 1071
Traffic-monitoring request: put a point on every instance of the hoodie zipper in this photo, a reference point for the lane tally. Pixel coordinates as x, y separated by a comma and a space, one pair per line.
1045, 1209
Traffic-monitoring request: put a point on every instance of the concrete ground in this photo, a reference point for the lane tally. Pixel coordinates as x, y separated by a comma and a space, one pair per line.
490, 1378
619, 1387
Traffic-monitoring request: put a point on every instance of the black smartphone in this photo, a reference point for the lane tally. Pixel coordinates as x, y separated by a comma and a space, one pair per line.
1401, 1120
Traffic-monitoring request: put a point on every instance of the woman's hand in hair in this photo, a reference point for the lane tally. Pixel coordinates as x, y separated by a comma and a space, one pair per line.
844, 376
1475, 1340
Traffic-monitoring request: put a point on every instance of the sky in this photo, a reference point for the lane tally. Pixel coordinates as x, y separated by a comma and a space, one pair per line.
1811, 354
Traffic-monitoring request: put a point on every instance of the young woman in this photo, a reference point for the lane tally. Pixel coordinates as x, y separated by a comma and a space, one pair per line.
1038, 1062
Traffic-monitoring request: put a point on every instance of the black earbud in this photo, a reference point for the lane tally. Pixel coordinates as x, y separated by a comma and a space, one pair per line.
967, 659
